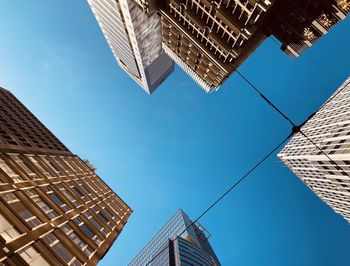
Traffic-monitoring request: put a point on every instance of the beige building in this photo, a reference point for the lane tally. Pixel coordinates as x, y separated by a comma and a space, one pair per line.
209, 39
54, 209
329, 129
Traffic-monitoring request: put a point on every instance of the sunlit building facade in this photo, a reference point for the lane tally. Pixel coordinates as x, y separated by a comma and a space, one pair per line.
327, 176
135, 40
211, 39
54, 209
166, 249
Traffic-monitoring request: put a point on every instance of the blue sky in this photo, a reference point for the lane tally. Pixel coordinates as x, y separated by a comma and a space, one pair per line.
181, 147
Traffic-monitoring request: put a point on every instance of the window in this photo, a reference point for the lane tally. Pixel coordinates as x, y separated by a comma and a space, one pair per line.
7, 230
58, 201
102, 217
8, 170
21, 210
87, 231
37, 164
60, 250
24, 166
71, 168
77, 192
50, 165
68, 196
55, 198
97, 225
108, 212
41, 204
76, 239
32, 257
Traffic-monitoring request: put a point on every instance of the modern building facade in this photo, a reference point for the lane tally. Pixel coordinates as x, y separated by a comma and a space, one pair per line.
135, 40
210, 39
298, 24
329, 129
167, 248
54, 209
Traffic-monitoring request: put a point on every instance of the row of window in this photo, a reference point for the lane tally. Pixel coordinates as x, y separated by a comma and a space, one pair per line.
9, 232
23, 127
40, 167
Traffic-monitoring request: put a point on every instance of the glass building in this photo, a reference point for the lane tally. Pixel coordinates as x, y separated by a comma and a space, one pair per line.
135, 40
54, 209
166, 248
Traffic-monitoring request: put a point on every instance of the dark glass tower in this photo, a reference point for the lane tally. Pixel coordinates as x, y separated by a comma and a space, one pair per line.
165, 248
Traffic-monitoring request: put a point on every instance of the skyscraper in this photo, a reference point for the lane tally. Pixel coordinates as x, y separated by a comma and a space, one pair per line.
211, 39
135, 40
298, 24
329, 129
165, 248
54, 209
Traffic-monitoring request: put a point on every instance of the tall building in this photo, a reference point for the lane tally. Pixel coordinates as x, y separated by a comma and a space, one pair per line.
298, 24
54, 209
329, 129
135, 40
166, 249
211, 39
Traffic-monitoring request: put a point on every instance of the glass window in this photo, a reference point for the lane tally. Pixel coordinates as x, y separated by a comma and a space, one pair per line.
67, 195
60, 250
37, 164
58, 201
41, 204
76, 239
87, 231
50, 165
9, 171
21, 210
108, 212
97, 225
20, 162
77, 192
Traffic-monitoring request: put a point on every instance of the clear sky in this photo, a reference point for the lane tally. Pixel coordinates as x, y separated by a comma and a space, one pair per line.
181, 147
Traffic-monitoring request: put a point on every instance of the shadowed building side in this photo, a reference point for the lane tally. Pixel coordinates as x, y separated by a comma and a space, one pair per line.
298, 24
167, 249
135, 40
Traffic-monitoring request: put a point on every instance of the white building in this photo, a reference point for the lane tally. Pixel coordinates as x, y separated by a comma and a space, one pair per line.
135, 40
330, 130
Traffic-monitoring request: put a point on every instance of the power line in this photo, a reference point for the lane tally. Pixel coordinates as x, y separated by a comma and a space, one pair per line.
322, 151
265, 98
295, 129
263, 159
